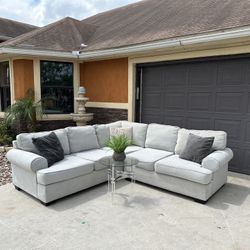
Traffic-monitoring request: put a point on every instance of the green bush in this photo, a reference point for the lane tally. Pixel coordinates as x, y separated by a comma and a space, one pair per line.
5, 137
21, 116
119, 143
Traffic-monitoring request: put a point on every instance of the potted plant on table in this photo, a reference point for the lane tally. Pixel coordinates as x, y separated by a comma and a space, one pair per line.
119, 144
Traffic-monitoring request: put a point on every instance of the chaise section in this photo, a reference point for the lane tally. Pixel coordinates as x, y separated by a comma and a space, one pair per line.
148, 156
26, 160
188, 170
69, 168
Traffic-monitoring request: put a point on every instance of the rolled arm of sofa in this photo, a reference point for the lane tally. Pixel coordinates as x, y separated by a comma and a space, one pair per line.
217, 159
26, 160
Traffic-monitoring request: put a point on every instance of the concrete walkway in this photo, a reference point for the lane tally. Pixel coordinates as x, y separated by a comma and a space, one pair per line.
141, 218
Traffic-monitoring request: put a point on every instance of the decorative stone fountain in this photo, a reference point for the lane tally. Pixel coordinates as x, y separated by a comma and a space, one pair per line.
81, 117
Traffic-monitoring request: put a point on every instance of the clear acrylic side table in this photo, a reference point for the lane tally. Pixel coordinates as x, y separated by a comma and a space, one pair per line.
118, 170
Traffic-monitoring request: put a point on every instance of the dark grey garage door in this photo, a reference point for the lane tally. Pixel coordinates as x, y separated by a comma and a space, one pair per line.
210, 93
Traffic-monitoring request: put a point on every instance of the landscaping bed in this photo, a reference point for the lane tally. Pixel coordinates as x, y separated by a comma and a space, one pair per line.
5, 170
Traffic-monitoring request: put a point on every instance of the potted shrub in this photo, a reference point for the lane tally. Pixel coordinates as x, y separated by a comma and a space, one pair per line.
119, 144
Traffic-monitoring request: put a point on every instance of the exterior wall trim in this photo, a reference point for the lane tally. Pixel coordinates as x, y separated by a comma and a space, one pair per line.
107, 105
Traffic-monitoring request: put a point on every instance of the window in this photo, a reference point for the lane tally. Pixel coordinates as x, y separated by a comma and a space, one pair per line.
57, 90
4, 86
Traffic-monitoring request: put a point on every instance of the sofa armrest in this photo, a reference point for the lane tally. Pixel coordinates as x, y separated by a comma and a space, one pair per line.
26, 160
217, 159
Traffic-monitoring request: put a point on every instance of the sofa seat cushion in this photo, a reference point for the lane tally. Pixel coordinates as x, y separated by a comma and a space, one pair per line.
174, 166
95, 155
70, 167
148, 156
132, 148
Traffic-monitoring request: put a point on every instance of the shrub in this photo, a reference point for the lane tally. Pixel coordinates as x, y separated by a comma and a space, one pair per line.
21, 116
5, 137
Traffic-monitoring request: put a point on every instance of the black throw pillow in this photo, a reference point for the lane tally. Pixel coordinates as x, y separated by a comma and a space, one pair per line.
49, 147
197, 148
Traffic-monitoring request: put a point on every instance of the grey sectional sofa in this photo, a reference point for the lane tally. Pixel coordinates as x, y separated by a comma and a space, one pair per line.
155, 146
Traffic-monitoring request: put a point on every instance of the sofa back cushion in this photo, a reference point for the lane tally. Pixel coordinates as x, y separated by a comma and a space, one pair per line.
139, 132
82, 138
24, 140
162, 137
220, 138
103, 132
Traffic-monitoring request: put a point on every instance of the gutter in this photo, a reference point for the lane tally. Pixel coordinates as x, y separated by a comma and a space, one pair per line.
5, 38
145, 47
169, 43
34, 52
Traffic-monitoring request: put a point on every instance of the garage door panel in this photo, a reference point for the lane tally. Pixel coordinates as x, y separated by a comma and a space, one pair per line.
174, 120
200, 101
232, 72
212, 93
175, 100
232, 127
202, 75
151, 100
246, 163
198, 123
230, 102
175, 75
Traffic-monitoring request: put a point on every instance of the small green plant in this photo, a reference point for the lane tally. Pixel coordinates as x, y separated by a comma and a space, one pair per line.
21, 116
119, 143
5, 138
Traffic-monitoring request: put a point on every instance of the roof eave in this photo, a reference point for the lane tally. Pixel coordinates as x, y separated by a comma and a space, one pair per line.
169, 43
34, 52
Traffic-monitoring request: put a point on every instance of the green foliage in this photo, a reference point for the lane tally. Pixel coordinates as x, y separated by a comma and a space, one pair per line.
119, 143
21, 116
5, 138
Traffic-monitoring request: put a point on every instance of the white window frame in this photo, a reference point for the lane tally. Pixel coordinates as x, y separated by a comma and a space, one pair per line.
37, 86
12, 90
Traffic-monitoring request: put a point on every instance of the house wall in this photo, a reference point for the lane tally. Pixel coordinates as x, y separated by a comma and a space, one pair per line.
23, 77
105, 81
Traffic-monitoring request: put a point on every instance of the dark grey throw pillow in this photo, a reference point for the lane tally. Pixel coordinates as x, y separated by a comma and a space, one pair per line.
197, 148
49, 147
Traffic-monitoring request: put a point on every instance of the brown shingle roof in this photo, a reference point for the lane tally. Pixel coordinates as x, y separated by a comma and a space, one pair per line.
152, 20
65, 35
10, 28
144, 21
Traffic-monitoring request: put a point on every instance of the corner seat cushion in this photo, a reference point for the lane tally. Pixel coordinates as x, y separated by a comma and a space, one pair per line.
132, 148
95, 155
139, 132
70, 167
128, 150
177, 167
148, 156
